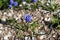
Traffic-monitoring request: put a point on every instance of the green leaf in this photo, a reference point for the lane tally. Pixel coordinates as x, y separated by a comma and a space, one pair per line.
29, 1
34, 25
18, 26
20, 34
58, 27
54, 20
1, 4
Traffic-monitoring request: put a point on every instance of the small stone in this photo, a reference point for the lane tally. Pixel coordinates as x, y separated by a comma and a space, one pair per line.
19, 16
1, 38
36, 30
48, 1
47, 19
1, 28
5, 13
0, 31
6, 28
38, 37
42, 37
24, 3
47, 4
54, 35
26, 38
6, 37
3, 19
33, 38
52, 38
15, 17
26, 34
20, 5
9, 34
41, 32
9, 14
41, 18
53, 31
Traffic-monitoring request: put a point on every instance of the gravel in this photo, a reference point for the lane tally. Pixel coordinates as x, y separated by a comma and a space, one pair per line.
7, 33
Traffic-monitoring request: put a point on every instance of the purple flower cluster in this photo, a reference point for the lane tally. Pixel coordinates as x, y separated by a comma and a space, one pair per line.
28, 18
34, 0
13, 3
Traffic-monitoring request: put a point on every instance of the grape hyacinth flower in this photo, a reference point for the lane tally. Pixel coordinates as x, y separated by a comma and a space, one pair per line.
28, 18
10, 6
34, 0
11, 2
15, 3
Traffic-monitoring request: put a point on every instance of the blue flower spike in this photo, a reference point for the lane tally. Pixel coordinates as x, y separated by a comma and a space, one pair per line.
15, 3
28, 18
11, 2
34, 0
10, 6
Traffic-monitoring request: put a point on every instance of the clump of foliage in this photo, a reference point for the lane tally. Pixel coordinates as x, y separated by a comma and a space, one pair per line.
4, 4
32, 4
56, 21
24, 26
50, 6
58, 27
